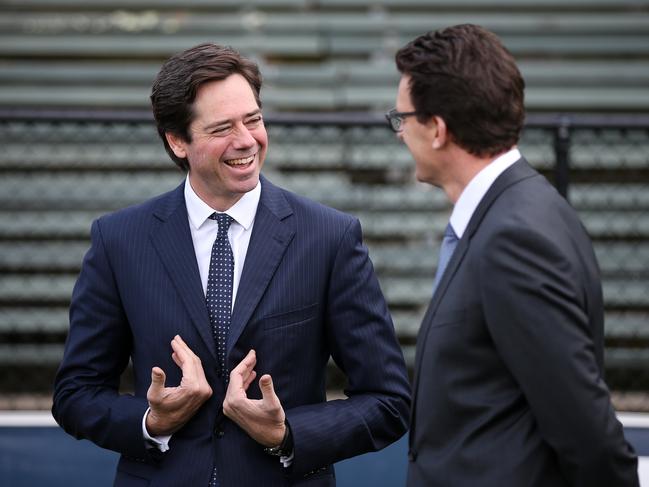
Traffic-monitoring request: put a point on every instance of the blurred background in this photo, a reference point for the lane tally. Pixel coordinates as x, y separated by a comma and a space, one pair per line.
77, 140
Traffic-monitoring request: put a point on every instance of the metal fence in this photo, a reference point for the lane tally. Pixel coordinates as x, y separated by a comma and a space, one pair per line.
62, 169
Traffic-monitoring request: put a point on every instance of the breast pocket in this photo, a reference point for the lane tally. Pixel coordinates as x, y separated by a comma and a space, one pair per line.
289, 318
455, 317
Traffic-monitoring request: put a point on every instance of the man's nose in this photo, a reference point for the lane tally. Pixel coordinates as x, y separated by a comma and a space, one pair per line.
243, 139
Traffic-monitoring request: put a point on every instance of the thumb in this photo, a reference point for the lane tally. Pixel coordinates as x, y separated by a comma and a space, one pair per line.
157, 378
266, 386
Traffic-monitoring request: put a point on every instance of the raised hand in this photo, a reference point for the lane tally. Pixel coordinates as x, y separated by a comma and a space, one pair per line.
172, 407
263, 419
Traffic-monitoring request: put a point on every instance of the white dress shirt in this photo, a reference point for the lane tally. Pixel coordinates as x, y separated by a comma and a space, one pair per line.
204, 230
477, 188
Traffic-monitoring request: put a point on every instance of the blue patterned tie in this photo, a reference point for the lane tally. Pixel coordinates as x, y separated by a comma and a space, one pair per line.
219, 298
448, 246
219, 288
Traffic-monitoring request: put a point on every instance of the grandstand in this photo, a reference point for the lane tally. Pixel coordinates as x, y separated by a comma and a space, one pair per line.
77, 140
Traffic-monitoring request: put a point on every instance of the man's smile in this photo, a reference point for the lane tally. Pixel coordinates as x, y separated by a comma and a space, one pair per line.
244, 161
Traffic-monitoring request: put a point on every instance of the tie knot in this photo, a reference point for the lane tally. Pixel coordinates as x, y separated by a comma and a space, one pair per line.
449, 233
223, 220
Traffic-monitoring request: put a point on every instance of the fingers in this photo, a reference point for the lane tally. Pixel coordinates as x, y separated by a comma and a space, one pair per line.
156, 389
157, 378
263, 419
185, 358
273, 407
249, 380
268, 395
240, 378
181, 351
242, 373
248, 361
193, 378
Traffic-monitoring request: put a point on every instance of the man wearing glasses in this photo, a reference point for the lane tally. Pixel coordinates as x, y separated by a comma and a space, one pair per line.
508, 387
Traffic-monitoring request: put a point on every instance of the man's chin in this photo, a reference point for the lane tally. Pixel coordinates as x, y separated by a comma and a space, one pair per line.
248, 184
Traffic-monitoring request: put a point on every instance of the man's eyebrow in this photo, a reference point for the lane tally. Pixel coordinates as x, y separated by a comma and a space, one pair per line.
220, 123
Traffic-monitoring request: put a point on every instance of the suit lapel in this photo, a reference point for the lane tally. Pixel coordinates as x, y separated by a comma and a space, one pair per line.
172, 240
452, 266
271, 235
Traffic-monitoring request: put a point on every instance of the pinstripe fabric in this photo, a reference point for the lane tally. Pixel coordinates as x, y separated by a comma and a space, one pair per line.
307, 292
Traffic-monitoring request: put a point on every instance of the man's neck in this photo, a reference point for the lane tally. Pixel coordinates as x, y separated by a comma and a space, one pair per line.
464, 166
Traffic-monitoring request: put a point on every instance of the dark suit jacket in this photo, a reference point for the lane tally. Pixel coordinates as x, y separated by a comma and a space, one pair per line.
307, 292
508, 380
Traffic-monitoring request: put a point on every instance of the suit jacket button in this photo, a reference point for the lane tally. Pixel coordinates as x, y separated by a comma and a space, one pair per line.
412, 455
218, 432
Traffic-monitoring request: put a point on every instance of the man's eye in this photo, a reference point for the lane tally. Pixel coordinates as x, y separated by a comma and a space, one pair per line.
221, 130
253, 121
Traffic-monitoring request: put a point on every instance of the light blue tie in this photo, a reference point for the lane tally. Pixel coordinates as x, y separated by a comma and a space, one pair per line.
448, 246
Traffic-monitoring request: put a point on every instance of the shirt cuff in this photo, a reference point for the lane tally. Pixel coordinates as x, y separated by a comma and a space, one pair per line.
287, 461
160, 442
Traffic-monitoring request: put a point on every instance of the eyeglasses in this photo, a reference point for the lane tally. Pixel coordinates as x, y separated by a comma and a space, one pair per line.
395, 119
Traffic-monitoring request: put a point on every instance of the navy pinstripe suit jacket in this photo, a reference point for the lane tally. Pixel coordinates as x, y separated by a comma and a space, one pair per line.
308, 292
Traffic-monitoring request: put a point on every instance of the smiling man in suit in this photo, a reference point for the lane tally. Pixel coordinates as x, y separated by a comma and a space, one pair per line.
508, 384
225, 279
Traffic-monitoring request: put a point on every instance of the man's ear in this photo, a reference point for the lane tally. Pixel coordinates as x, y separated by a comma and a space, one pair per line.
439, 132
177, 144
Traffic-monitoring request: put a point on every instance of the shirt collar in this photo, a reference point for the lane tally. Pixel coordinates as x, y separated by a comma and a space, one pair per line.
477, 188
243, 211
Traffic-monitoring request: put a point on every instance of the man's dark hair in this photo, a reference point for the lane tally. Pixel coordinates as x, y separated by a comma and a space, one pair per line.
175, 87
466, 76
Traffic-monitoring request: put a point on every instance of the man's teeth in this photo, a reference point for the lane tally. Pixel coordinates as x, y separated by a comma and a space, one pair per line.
240, 162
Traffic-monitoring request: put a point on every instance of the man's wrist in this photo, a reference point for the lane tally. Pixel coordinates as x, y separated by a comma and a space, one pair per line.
285, 448
161, 442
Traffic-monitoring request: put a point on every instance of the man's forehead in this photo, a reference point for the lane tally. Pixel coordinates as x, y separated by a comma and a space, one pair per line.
403, 93
223, 91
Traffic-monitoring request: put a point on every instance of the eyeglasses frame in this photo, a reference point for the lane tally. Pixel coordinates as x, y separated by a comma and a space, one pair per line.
393, 116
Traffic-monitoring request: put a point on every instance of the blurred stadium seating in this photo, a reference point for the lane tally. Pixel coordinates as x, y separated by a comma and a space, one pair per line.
77, 140
317, 55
